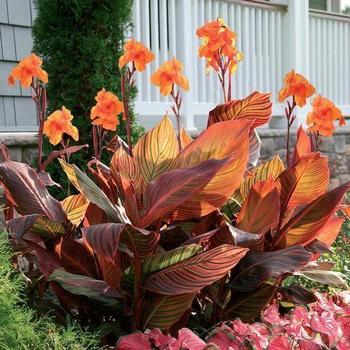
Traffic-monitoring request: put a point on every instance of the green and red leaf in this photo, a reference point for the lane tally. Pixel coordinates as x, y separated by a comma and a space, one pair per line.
257, 267
155, 152
164, 311
303, 182
28, 193
195, 273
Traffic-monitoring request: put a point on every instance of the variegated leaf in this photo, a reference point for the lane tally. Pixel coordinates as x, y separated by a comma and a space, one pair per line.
155, 152
228, 140
256, 107
28, 192
261, 209
164, 311
75, 206
195, 273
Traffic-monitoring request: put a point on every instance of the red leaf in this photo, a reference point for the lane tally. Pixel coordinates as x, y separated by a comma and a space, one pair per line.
226, 140
257, 107
304, 226
197, 272
104, 240
75, 258
256, 267
303, 182
47, 262
302, 146
261, 209
28, 191
330, 231
173, 188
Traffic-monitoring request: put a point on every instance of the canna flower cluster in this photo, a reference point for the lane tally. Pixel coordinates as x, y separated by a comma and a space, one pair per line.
59, 123
137, 53
28, 69
169, 74
297, 86
324, 113
321, 118
106, 110
219, 46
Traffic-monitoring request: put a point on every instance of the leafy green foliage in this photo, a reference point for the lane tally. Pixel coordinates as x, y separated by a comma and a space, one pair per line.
19, 327
80, 42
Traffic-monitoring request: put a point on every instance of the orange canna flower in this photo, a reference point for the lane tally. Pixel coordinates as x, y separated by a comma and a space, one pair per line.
168, 74
59, 123
136, 52
298, 86
218, 41
106, 110
321, 118
26, 70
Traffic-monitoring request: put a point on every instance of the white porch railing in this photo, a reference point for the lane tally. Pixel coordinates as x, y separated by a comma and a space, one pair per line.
273, 37
329, 54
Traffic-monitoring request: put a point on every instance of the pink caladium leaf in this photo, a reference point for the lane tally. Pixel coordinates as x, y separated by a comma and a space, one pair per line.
326, 324
189, 340
280, 343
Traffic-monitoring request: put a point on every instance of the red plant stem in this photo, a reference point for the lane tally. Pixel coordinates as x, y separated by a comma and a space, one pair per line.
229, 91
95, 140
290, 120
317, 142
176, 109
39, 98
138, 297
126, 83
41, 125
126, 113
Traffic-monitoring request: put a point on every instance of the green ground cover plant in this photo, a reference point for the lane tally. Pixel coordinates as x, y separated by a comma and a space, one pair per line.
20, 328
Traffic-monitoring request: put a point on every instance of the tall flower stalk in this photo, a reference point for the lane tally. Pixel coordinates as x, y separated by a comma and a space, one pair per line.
299, 89
166, 77
220, 51
138, 56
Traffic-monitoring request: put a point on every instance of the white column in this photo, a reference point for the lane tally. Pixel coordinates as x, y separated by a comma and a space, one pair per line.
298, 45
298, 39
185, 51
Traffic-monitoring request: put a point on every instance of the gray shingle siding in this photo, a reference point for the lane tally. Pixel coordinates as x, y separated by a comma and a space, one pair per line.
17, 110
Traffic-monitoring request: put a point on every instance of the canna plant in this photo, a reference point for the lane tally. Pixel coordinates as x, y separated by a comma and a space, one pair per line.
176, 230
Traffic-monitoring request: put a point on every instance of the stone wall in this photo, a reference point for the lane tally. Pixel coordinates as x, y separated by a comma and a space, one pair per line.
22, 146
336, 148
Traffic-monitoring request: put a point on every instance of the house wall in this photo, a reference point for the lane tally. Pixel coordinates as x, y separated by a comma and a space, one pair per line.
17, 111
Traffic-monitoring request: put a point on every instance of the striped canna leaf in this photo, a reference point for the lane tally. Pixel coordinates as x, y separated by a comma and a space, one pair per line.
164, 311
195, 273
155, 152
75, 207
256, 107
161, 261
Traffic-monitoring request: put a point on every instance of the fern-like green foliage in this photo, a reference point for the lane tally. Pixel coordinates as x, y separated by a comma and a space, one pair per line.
19, 328
80, 42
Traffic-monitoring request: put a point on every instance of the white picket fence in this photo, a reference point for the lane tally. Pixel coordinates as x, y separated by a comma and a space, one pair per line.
273, 37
